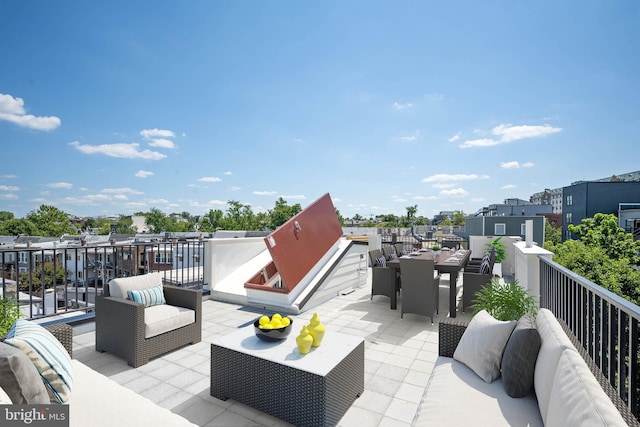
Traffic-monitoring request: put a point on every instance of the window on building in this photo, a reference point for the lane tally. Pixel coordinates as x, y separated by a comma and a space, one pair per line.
22, 257
500, 229
569, 200
569, 218
523, 229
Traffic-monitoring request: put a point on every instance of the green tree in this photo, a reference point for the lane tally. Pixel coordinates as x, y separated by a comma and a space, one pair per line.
211, 220
340, 218
552, 234
51, 221
604, 232
6, 215
42, 274
16, 227
157, 221
281, 213
459, 218
124, 225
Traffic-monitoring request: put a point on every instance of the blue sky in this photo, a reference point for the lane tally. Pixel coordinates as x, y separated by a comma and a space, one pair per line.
119, 107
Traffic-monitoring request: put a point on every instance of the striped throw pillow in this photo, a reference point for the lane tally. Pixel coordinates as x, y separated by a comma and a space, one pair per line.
381, 262
148, 297
48, 355
484, 267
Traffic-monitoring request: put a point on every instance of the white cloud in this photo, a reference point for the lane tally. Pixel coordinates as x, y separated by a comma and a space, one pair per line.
398, 199
483, 142
228, 173
126, 151
12, 110
9, 188
507, 187
444, 185
235, 188
264, 193
60, 185
455, 192
510, 165
120, 191
399, 107
508, 133
162, 143
143, 174
153, 133
157, 201
528, 164
294, 197
209, 179
410, 138
8, 196
8, 176
455, 137
455, 177
478, 199
120, 197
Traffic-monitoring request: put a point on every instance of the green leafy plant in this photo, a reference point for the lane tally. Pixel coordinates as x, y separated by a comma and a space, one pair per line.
435, 247
504, 301
9, 313
501, 249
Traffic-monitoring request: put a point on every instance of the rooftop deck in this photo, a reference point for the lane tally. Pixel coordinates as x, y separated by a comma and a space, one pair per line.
399, 356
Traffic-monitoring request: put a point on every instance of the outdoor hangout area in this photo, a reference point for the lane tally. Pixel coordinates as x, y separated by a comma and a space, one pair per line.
306, 327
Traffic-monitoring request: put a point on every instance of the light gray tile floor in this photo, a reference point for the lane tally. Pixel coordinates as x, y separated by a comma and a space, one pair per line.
399, 357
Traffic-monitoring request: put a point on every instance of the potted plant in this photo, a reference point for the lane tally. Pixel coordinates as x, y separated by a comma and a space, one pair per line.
9, 313
436, 250
501, 253
504, 301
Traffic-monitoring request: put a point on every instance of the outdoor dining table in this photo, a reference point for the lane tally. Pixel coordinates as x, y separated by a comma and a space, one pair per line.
450, 262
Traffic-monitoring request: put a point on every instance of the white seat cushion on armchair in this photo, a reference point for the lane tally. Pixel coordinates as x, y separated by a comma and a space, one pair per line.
159, 319
119, 287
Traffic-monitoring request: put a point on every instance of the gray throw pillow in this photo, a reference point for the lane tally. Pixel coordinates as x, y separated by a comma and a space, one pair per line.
19, 377
519, 358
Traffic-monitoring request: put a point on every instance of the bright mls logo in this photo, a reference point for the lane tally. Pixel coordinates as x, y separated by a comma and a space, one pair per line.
35, 415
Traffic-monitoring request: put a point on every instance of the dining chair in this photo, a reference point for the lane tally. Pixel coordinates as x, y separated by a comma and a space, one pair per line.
383, 278
420, 287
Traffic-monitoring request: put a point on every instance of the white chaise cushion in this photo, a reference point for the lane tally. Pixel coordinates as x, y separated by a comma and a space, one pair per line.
99, 401
576, 397
119, 287
159, 319
456, 396
482, 345
553, 342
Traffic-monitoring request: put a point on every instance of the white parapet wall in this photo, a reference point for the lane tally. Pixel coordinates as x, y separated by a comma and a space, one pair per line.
527, 267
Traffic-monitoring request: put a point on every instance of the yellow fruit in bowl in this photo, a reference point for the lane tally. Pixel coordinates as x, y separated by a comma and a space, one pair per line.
276, 323
276, 316
266, 326
264, 320
285, 321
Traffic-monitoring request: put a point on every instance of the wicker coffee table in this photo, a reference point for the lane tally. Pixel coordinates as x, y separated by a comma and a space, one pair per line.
315, 389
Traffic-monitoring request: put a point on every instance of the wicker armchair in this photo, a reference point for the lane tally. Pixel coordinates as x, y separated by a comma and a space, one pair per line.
383, 279
420, 287
472, 282
120, 322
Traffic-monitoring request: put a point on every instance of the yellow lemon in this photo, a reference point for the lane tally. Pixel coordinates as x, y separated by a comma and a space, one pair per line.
276, 316
263, 320
266, 326
285, 321
276, 323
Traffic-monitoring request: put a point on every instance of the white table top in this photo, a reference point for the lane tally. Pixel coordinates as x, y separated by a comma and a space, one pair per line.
320, 360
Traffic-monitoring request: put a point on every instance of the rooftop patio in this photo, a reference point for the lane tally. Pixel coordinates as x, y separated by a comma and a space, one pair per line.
399, 356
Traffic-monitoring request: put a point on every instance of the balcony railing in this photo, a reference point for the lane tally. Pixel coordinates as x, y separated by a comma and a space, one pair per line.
605, 324
53, 281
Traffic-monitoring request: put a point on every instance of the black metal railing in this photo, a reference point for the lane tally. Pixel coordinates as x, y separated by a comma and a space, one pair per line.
54, 281
604, 323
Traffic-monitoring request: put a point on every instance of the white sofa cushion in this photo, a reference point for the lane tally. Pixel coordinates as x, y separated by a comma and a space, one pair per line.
119, 287
159, 319
482, 344
456, 396
576, 397
553, 342
98, 401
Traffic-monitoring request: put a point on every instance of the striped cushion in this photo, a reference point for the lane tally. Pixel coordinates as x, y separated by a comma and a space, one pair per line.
148, 297
484, 267
47, 354
381, 262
